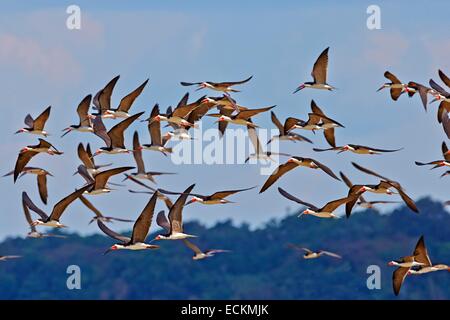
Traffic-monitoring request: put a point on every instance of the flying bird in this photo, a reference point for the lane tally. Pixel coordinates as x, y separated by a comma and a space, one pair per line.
140, 231
385, 185
309, 254
85, 155
102, 100
27, 153
325, 212
217, 86
85, 124
154, 129
242, 118
215, 198
396, 86
114, 138
36, 126
358, 149
418, 258
57, 212
176, 220
284, 134
293, 163
421, 254
137, 154
319, 74
162, 221
259, 153
125, 104
4, 258
33, 231
41, 175
439, 163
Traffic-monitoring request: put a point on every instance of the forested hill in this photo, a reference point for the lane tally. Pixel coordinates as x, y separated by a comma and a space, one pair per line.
260, 265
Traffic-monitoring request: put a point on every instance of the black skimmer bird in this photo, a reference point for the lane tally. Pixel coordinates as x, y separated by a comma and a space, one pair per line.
224, 87
41, 175
176, 220
242, 118
179, 115
309, 254
36, 126
325, 212
439, 163
396, 86
137, 154
422, 255
125, 104
4, 258
58, 209
362, 201
319, 74
162, 221
114, 138
102, 100
85, 155
417, 259
33, 231
99, 183
85, 124
259, 153
358, 149
284, 134
140, 231
98, 215
293, 163
385, 185
154, 129
29, 152
215, 198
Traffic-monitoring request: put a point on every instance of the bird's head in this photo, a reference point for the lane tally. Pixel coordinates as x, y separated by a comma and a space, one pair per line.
25, 149
158, 237
363, 189
307, 211
392, 263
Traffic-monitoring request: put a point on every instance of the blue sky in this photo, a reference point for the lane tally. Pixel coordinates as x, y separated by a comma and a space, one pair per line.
43, 63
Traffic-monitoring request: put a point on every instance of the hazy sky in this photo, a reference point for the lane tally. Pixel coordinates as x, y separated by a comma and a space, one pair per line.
43, 63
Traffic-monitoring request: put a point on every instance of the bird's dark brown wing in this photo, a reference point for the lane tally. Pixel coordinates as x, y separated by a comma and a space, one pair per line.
100, 130
162, 221
398, 276
127, 101
329, 136
324, 168
445, 152
59, 208
40, 121
319, 71
85, 157
446, 123
83, 109
27, 213
277, 122
137, 153
315, 108
224, 194
112, 234
233, 83
295, 199
22, 160
277, 174
289, 123
27, 201
423, 92
370, 172
91, 207
42, 187
408, 201
246, 114
333, 205
444, 78
104, 98
175, 213
102, 178
143, 223
29, 121
388, 75
116, 133
421, 253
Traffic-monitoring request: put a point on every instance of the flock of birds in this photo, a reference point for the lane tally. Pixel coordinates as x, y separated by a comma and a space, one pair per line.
184, 117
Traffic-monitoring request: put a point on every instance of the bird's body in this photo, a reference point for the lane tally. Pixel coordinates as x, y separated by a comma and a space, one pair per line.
36, 126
